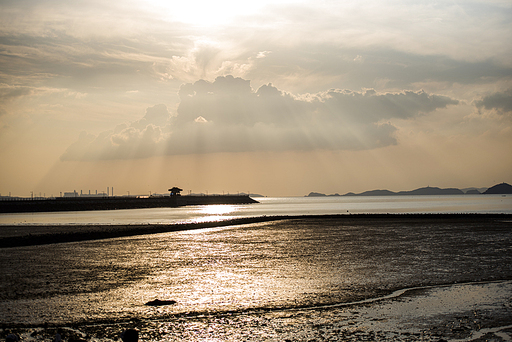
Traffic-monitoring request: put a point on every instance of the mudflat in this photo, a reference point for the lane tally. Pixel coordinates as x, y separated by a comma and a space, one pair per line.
296, 278
29, 235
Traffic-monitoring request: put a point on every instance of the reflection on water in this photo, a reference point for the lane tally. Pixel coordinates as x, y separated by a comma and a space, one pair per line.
218, 209
213, 213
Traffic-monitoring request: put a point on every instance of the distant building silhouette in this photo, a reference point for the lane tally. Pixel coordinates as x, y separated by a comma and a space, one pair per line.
175, 191
75, 194
71, 194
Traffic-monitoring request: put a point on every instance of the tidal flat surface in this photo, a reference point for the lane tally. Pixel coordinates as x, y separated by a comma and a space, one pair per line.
298, 279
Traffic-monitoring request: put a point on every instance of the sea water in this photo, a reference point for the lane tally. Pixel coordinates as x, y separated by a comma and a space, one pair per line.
272, 206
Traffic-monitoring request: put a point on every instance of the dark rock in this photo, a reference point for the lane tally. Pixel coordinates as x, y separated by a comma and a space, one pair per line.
158, 302
130, 335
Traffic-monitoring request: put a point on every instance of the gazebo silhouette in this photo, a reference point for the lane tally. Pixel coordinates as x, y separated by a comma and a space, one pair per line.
175, 191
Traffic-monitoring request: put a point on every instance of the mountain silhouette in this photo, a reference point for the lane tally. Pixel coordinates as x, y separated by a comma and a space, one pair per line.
429, 190
472, 192
316, 194
432, 191
502, 188
372, 193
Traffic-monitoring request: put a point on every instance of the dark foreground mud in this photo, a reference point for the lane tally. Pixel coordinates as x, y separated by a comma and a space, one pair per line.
456, 313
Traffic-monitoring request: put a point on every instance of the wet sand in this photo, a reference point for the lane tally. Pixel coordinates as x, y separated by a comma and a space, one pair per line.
31, 235
455, 313
473, 311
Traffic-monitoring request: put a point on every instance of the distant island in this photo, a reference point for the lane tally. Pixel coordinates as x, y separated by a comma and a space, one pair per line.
502, 188
317, 194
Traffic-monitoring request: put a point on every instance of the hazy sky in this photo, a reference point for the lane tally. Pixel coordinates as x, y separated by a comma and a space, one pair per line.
273, 97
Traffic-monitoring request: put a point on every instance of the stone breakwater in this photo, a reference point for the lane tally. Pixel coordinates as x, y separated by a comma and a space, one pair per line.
112, 203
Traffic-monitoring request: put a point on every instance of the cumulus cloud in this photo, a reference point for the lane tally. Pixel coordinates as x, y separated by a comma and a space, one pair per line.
140, 139
227, 115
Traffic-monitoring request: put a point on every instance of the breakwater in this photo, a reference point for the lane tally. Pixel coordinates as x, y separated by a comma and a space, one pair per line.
112, 203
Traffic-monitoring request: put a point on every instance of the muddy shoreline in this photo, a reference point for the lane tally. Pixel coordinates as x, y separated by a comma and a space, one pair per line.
410, 314
453, 275
49, 234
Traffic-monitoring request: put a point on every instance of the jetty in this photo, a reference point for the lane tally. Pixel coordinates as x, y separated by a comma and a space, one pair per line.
25, 205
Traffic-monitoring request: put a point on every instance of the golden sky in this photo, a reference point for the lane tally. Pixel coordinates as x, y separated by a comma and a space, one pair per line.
279, 98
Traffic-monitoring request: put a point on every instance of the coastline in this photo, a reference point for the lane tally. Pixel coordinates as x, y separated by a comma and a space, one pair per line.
51, 234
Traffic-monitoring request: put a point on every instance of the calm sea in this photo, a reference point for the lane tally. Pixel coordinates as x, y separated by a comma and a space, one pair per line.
271, 206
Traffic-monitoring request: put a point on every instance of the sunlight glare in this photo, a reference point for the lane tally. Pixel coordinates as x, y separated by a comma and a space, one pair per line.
214, 213
220, 209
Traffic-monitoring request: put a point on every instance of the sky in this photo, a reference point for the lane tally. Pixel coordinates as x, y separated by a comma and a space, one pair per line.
279, 98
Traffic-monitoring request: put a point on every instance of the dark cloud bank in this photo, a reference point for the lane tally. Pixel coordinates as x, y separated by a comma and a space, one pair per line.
502, 102
227, 115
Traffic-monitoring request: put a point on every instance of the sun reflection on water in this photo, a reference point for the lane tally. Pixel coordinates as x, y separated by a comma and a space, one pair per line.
215, 213
219, 209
